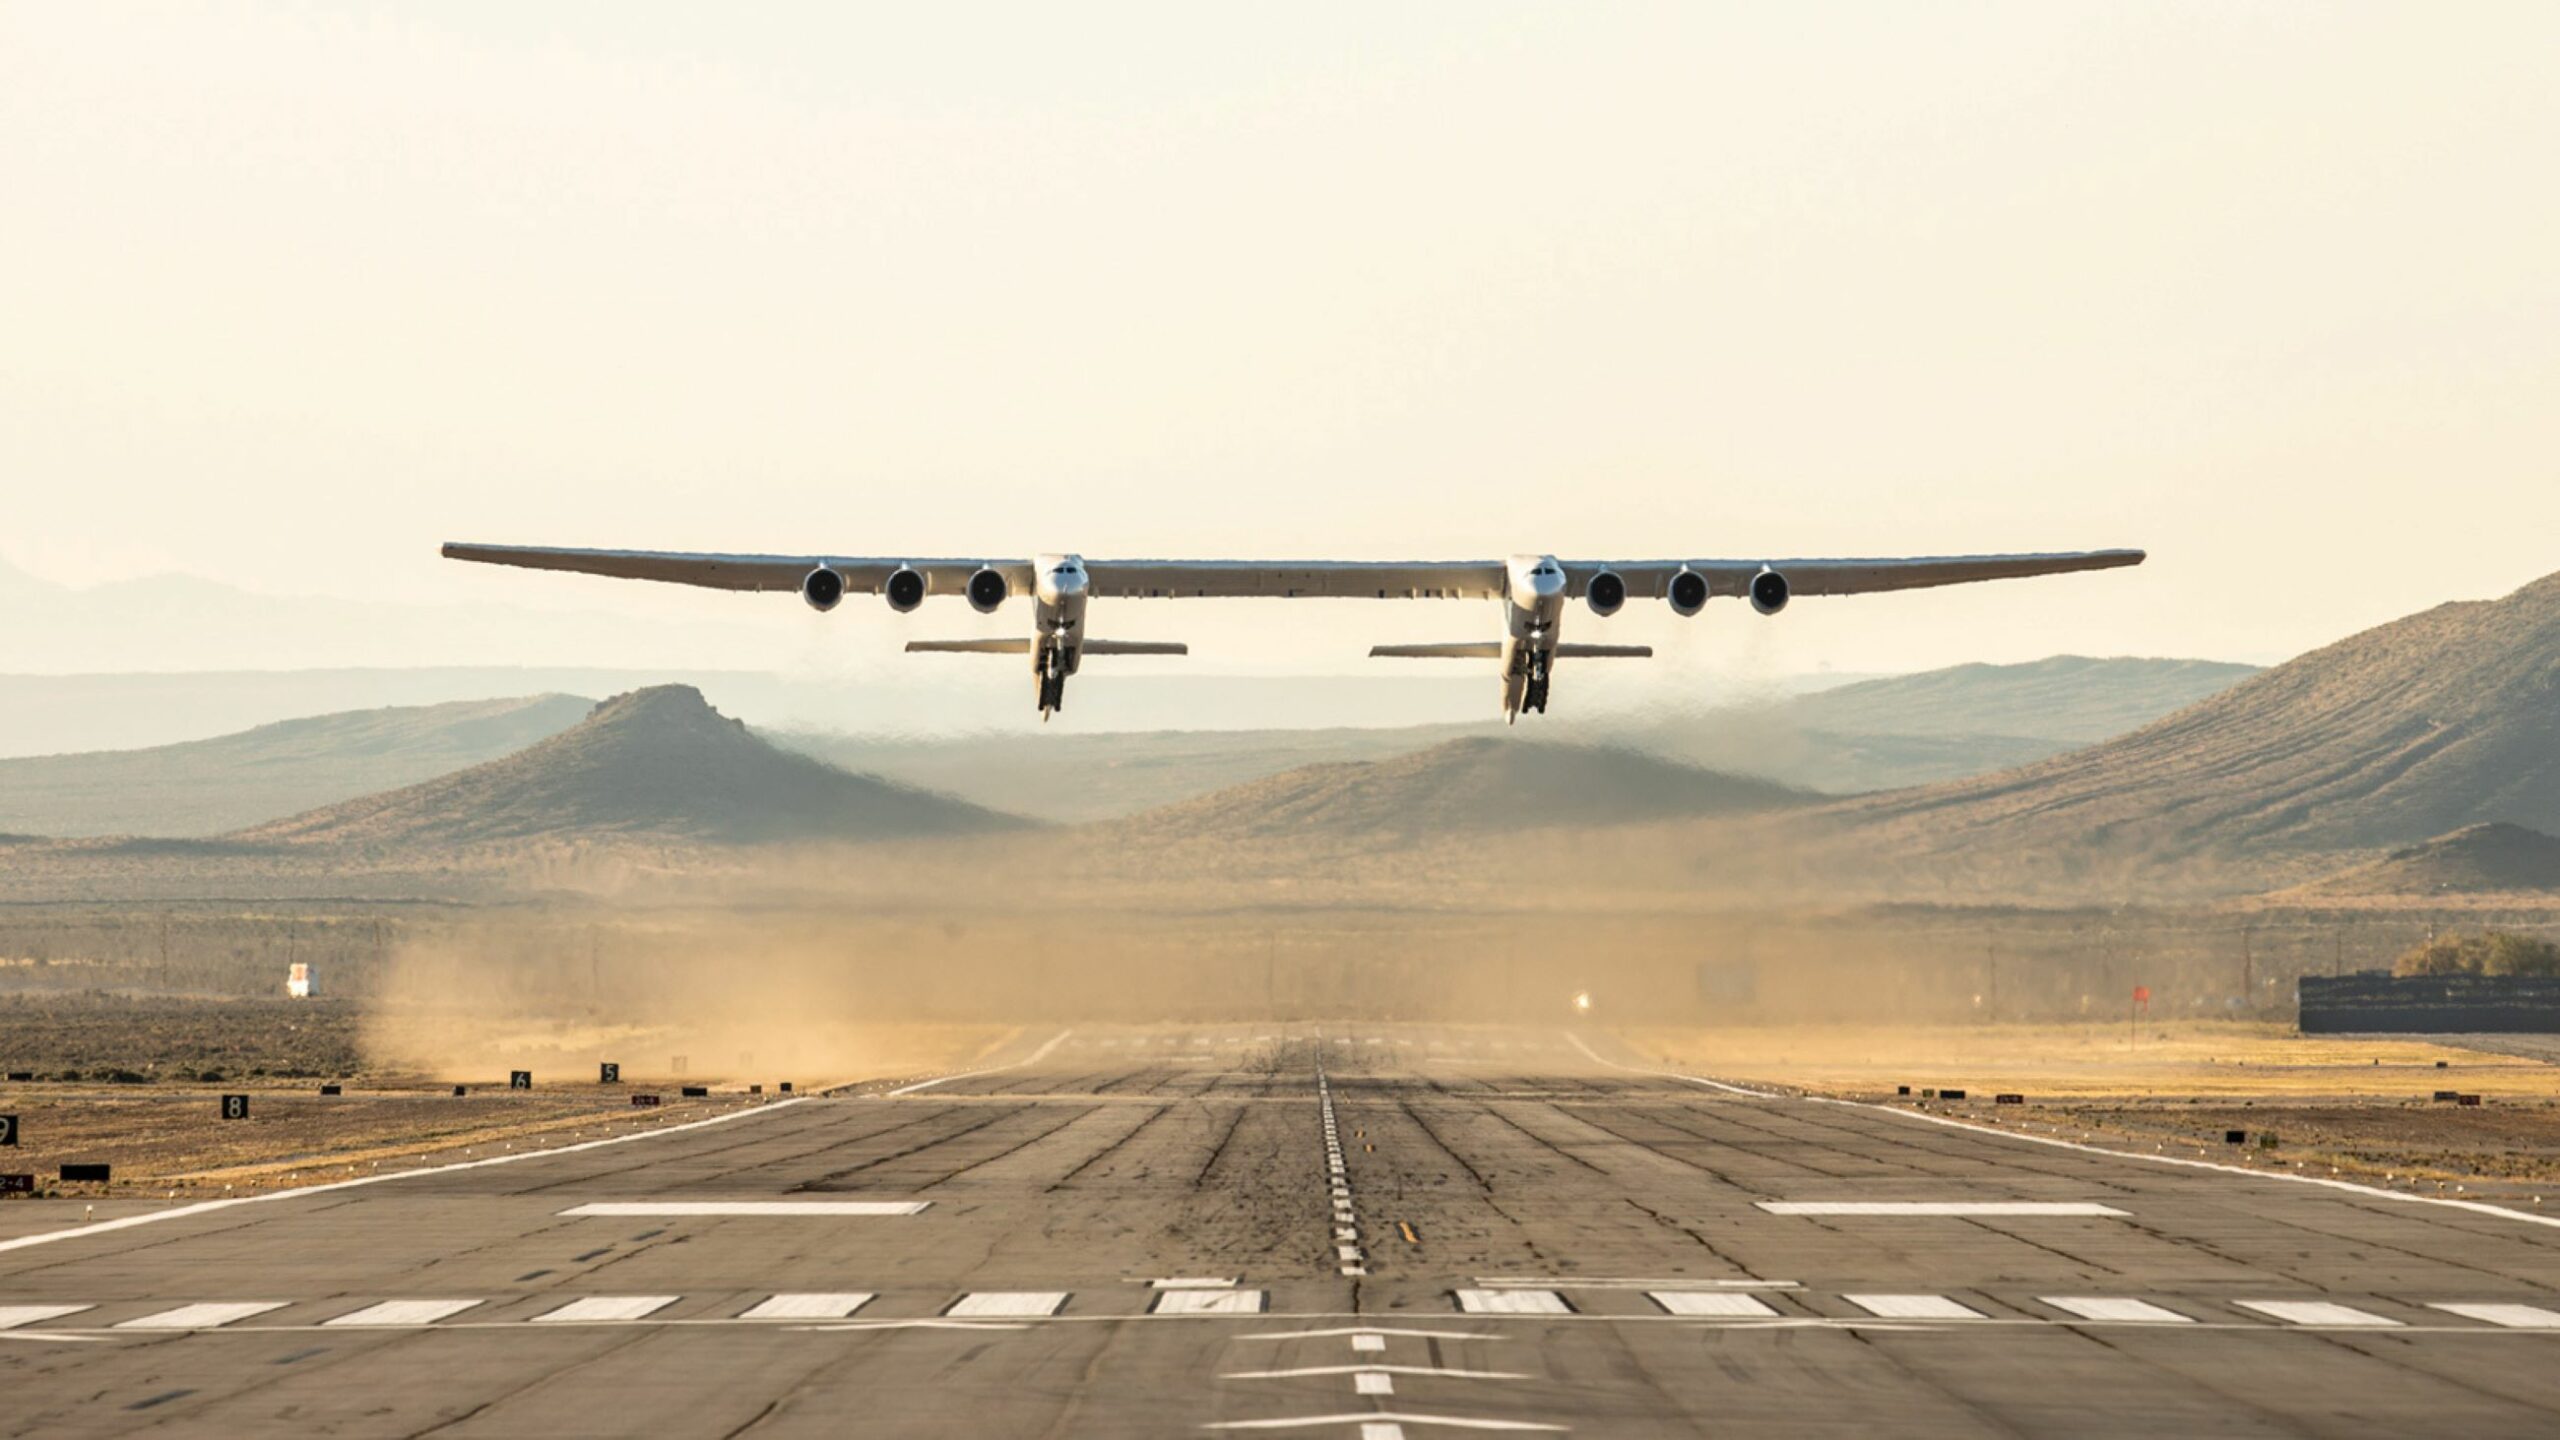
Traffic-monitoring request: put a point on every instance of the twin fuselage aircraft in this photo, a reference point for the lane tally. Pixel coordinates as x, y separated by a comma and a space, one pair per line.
1534, 590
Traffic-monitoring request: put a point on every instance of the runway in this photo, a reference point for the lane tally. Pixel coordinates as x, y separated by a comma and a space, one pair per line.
1368, 1231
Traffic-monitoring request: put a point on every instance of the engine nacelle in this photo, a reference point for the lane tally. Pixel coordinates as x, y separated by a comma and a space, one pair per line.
823, 588
987, 590
1605, 592
1769, 592
904, 589
1687, 593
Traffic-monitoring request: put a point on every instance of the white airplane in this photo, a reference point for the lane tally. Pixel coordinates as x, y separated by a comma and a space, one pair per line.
1533, 589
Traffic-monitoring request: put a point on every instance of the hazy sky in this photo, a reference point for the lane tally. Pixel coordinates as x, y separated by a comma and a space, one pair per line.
290, 293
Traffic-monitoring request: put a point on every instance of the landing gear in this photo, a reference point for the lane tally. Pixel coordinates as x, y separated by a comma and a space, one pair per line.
1053, 680
1533, 695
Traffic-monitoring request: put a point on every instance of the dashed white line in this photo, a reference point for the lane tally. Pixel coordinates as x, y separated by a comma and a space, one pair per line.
2116, 1309
1373, 1382
1726, 1304
809, 1306
13, 1316
1210, 1302
2316, 1312
405, 1312
1008, 1304
1512, 1302
1915, 1307
838, 1208
2513, 1317
606, 1307
211, 1316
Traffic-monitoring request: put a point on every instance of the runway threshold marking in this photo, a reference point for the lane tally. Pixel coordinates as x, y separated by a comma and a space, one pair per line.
834, 1305
404, 1313
2374, 1192
2513, 1317
1007, 1305
13, 1316
1210, 1302
1730, 1304
1034, 1058
1915, 1307
1939, 1207
750, 1207
606, 1307
2116, 1310
2317, 1312
512, 1157
1512, 1302
211, 1316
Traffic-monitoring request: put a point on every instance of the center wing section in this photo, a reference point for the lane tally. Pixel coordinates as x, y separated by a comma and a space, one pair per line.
1289, 579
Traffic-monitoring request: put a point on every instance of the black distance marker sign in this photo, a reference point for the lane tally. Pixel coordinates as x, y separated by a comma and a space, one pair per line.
235, 1107
519, 1079
8, 1129
608, 1073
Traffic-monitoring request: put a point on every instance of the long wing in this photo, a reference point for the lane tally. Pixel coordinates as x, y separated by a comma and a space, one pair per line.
739, 572
1846, 577
1241, 579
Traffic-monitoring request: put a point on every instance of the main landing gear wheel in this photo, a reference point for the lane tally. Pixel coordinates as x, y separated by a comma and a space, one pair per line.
1053, 684
1533, 696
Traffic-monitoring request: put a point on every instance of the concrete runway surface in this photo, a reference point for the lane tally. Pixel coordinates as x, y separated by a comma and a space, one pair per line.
1370, 1231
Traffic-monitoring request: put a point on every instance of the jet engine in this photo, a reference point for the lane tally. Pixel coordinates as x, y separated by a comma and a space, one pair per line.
823, 588
987, 590
1769, 592
904, 589
1688, 593
1605, 592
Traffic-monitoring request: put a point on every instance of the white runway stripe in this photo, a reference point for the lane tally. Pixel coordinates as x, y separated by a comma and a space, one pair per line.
1008, 1304
13, 1316
1727, 1304
1914, 1307
833, 1305
202, 1317
1938, 1207
1209, 1302
606, 1307
2314, 1312
2101, 1307
1512, 1302
405, 1312
2514, 1317
1373, 1382
750, 1207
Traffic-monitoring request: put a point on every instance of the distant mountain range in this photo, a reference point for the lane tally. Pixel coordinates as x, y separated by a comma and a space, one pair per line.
658, 765
2424, 725
1471, 786
207, 787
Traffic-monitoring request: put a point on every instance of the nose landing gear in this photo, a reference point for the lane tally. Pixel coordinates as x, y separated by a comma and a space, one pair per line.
1053, 680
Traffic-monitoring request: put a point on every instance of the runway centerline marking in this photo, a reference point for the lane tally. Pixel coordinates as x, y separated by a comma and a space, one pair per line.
1209, 1302
13, 1316
1512, 1302
838, 1208
2513, 1317
2116, 1310
1915, 1307
606, 1307
809, 1306
1728, 1303
1007, 1305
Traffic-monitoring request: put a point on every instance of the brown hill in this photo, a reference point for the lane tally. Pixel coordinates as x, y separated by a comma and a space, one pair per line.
656, 764
2491, 859
1468, 785
2443, 719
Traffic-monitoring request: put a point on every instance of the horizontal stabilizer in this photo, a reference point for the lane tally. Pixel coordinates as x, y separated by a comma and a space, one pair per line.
1464, 650
1605, 652
1018, 646
1136, 647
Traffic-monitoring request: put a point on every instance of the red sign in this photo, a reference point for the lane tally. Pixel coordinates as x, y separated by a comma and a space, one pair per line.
2141, 994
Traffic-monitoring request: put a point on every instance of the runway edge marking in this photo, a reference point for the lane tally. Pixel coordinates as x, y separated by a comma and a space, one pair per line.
2374, 1192
1034, 1058
207, 1207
